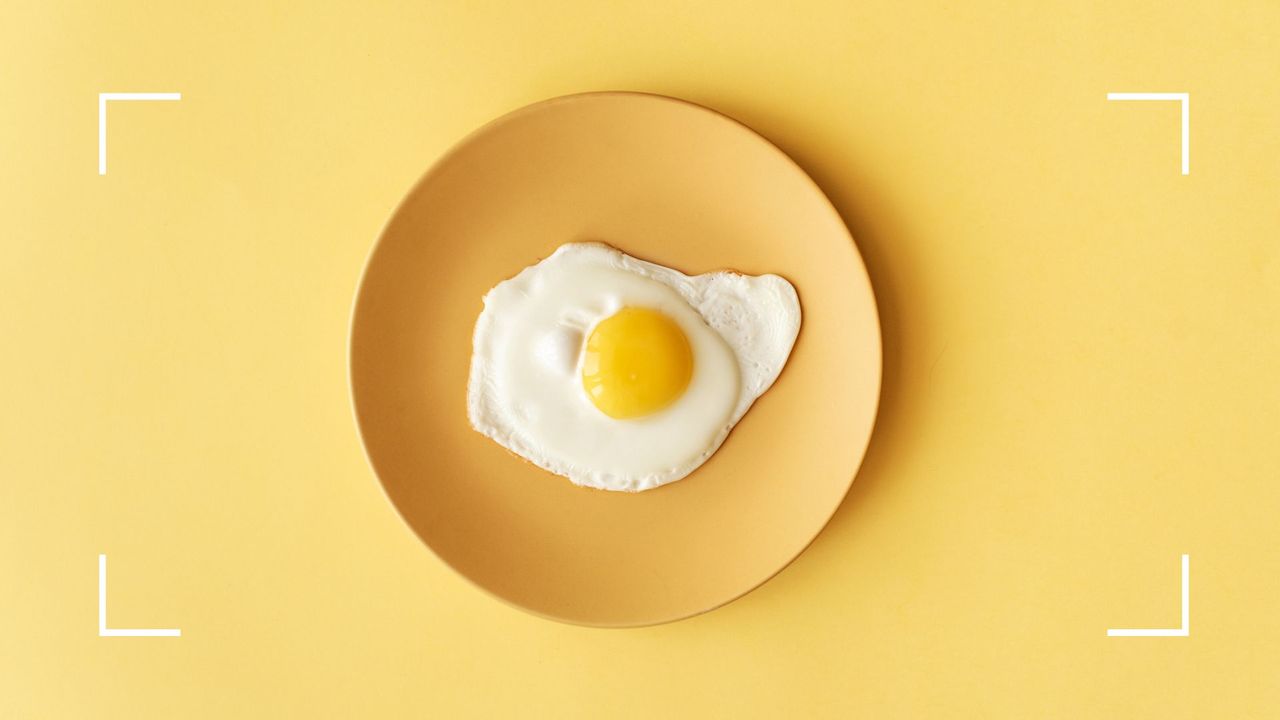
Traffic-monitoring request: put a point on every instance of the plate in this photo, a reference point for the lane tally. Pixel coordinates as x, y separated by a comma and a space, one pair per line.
667, 181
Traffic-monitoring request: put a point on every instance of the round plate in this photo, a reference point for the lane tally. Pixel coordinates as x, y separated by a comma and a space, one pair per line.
666, 181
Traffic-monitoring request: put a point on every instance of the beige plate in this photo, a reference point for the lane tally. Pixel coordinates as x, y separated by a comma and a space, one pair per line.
666, 181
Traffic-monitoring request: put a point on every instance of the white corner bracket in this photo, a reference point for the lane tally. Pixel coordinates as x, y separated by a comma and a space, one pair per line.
1183, 631
103, 98
104, 631
1185, 99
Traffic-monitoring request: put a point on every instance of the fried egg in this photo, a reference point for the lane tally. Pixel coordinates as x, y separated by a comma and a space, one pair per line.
622, 374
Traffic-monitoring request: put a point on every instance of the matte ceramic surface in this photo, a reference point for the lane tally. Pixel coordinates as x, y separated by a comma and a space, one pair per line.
669, 182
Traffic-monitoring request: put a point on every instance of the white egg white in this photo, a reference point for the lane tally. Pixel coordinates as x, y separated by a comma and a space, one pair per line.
525, 389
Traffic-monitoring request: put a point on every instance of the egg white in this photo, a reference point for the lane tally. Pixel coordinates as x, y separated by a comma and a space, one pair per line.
525, 389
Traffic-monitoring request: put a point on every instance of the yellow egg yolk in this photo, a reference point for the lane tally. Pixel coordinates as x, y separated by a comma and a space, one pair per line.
636, 362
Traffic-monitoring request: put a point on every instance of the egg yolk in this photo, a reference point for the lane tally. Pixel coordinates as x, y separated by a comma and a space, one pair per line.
636, 362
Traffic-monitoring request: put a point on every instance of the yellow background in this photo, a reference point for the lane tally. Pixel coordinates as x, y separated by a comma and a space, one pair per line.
1081, 357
